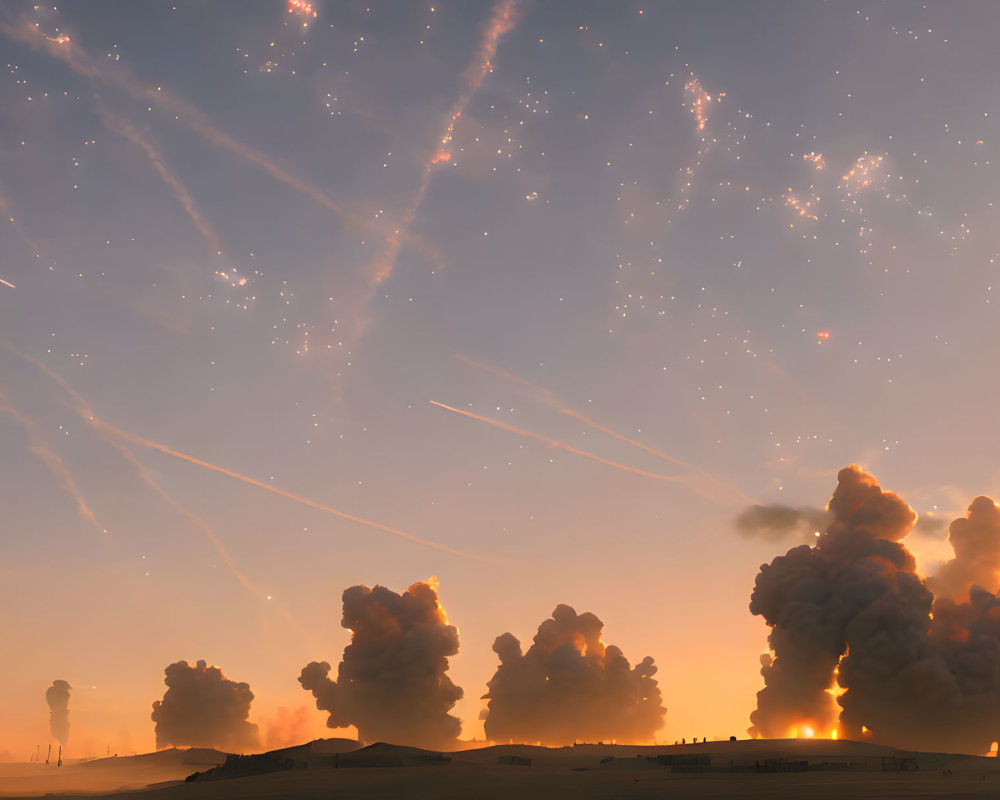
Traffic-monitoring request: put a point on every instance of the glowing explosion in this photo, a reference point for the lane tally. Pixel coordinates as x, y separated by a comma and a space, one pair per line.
862, 648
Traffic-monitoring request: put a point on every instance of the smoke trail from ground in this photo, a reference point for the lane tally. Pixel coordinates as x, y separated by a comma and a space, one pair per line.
203, 708
57, 696
391, 683
570, 687
860, 645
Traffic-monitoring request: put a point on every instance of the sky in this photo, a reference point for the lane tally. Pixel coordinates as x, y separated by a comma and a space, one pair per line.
534, 297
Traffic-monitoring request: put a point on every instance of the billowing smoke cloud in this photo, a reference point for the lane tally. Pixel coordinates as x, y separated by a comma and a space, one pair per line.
975, 539
202, 708
860, 645
57, 696
775, 523
570, 687
391, 683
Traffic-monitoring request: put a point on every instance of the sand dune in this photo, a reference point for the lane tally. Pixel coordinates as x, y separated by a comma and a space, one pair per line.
339, 768
105, 774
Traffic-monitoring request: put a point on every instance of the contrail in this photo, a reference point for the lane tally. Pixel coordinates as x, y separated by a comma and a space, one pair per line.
186, 114
196, 120
122, 126
111, 430
548, 398
503, 20
297, 498
40, 447
554, 443
125, 453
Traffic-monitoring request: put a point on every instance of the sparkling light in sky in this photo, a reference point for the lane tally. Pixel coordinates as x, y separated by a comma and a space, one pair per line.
657, 273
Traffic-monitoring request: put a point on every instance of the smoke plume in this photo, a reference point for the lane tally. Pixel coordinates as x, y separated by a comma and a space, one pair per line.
774, 523
569, 687
861, 648
202, 708
975, 539
57, 696
391, 683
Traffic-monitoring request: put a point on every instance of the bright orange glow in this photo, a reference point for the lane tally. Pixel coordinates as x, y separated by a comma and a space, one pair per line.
807, 731
232, 278
816, 159
823, 335
960, 635
435, 584
699, 100
862, 174
61, 39
804, 208
301, 7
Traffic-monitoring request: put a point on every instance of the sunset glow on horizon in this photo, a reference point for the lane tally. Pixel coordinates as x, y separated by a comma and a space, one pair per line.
582, 308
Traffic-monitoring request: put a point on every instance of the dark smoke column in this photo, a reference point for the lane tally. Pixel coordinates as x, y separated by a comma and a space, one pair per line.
202, 708
852, 610
569, 687
391, 683
57, 696
819, 599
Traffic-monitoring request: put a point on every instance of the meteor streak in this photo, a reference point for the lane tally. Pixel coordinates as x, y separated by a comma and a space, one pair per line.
554, 443
7, 283
548, 398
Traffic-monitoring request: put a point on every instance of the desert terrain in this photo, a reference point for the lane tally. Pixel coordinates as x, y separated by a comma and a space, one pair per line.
336, 767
